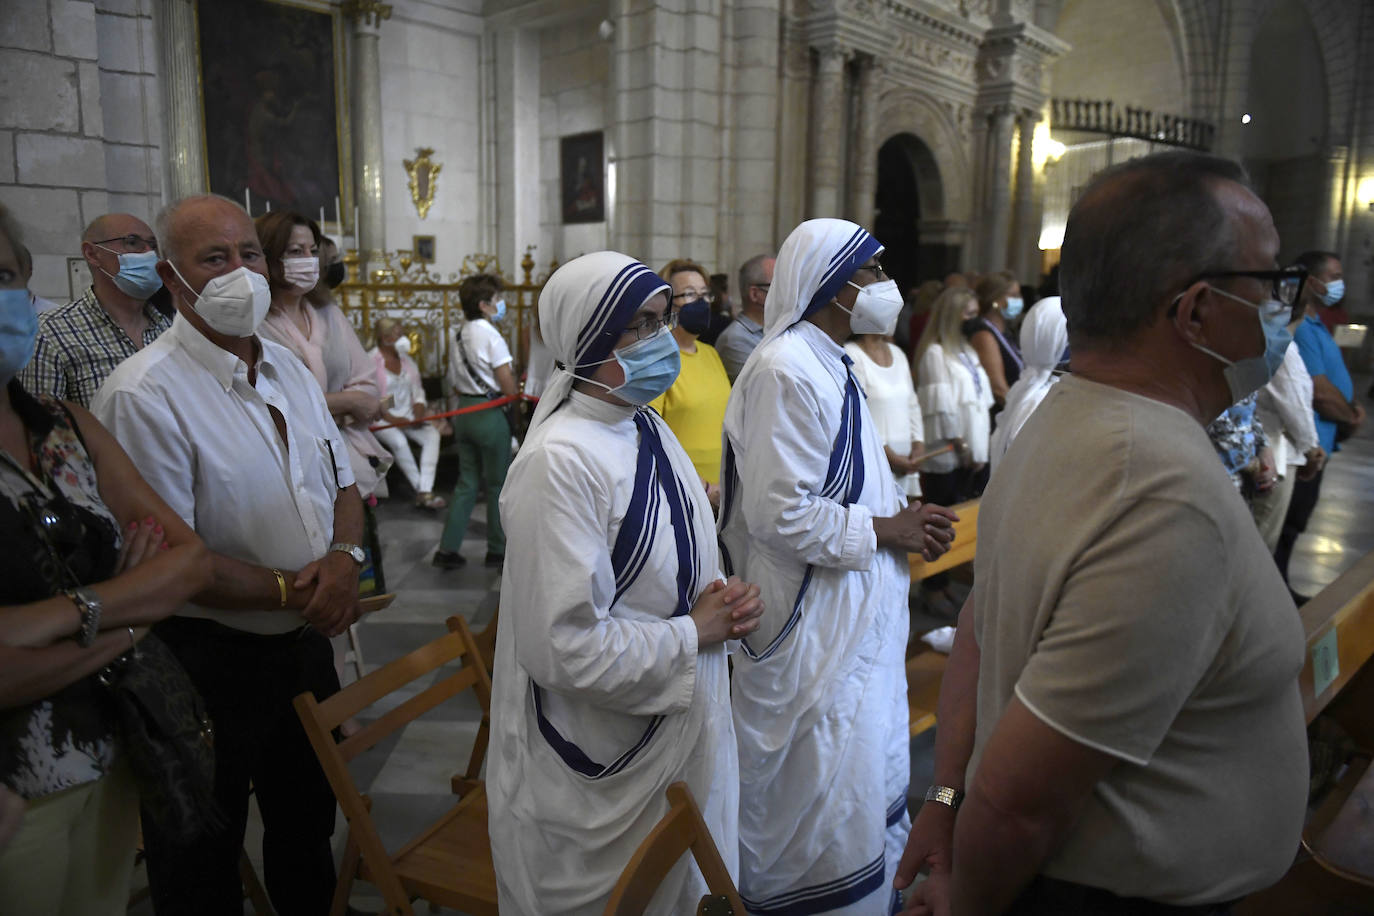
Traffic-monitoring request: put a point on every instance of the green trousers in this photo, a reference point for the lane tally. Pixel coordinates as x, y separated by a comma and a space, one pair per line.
483, 442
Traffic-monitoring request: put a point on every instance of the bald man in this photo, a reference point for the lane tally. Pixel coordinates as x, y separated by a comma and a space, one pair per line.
80, 343
234, 433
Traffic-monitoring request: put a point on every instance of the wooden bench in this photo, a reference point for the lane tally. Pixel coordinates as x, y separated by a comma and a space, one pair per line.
1337, 682
925, 667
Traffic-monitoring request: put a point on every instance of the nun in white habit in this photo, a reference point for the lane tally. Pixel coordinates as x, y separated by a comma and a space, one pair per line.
610, 675
812, 514
1044, 336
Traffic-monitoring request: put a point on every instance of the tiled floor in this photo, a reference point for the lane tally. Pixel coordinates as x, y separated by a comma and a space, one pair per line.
408, 775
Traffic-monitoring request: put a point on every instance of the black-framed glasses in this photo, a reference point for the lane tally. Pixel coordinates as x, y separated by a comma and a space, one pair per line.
691, 295
1284, 284
133, 243
876, 268
648, 326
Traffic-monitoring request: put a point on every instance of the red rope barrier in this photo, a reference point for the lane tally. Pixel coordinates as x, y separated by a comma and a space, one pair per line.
489, 405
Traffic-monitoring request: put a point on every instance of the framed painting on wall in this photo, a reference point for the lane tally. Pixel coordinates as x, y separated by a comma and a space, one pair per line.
274, 105
422, 247
582, 167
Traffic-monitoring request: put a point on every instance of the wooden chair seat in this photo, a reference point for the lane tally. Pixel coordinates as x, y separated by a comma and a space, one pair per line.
924, 671
450, 862
1340, 835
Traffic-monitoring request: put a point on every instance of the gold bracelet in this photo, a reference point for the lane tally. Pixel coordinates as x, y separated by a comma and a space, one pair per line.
281, 584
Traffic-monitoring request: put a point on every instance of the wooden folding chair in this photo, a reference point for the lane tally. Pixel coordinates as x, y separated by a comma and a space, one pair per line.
681, 829
449, 862
486, 648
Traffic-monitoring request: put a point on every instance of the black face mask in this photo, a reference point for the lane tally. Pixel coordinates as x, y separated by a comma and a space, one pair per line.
334, 274
970, 325
695, 316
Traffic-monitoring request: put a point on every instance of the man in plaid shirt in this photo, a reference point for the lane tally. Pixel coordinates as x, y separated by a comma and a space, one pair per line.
80, 343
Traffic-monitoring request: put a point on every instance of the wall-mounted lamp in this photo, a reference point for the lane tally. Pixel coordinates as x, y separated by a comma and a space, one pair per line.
1245, 118
1044, 148
1364, 193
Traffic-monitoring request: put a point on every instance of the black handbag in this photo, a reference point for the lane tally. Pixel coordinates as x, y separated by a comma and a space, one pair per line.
168, 737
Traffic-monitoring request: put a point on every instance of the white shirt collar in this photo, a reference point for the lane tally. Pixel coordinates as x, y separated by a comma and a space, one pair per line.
219, 362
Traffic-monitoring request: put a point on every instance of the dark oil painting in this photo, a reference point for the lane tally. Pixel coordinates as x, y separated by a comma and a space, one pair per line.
582, 164
268, 73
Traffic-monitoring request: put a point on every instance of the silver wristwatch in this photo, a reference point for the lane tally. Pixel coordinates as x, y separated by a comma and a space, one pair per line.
945, 796
88, 604
353, 550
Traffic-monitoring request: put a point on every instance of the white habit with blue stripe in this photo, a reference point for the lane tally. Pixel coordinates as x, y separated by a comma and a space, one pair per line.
819, 694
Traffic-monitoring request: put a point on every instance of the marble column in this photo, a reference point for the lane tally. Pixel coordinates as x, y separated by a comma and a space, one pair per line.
367, 17
1026, 235
997, 199
863, 165
827, 122
184, 127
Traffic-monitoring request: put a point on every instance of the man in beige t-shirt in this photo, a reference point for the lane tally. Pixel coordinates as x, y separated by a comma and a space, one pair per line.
1122, 696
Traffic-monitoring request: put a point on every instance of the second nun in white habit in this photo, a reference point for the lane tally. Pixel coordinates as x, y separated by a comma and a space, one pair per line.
811, 512
611, 680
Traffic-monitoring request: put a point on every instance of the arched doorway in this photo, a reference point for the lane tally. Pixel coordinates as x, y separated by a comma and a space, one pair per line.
909, 190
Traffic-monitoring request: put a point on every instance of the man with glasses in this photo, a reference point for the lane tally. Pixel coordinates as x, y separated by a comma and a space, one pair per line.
1122, 692
1336, 411
80, 343
743, 334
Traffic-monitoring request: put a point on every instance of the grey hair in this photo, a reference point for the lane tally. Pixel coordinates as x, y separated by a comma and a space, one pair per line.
1139, 233
168, 243
751, 273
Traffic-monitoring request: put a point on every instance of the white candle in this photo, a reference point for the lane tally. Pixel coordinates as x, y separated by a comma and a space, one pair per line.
338, 220
323, 228
357, 229
269, 206
248, 201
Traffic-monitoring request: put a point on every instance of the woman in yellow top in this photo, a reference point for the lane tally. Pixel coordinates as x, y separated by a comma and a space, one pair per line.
694, 407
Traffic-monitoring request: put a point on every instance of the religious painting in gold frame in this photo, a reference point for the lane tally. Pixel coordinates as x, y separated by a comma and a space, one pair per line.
422, 247
274, 104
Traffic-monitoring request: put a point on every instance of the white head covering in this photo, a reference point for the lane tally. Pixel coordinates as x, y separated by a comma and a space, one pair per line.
1044, 335
812, 265
583, 308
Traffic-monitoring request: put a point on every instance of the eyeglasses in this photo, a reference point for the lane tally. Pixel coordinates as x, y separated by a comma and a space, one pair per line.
691, 295
877, 270
133, 244
648, 326
1284, 285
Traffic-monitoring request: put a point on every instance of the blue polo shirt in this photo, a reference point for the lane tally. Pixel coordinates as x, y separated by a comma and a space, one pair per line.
1321, 356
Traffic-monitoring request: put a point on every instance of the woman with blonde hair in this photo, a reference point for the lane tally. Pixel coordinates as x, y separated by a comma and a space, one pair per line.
999, 302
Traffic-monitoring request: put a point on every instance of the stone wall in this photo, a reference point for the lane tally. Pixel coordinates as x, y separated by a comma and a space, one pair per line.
1124, 51
80, 132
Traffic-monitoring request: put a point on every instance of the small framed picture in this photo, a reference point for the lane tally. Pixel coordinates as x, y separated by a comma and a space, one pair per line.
582, 169
422, 246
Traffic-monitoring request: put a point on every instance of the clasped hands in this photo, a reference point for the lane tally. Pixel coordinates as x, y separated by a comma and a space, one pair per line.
923, 528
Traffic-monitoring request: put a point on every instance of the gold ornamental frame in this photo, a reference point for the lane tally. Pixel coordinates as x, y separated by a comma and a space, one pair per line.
424, 174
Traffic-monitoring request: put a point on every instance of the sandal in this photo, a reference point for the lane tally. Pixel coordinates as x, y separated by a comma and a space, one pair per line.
430, 501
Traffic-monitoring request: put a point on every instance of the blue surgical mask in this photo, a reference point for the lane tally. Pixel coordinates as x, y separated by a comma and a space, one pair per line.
650, 365
1246, 376
137, 275
1335, 292
1013, 307
500, 306
18, 332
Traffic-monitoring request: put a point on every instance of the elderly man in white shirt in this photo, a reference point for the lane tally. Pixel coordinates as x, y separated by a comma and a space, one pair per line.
234, 433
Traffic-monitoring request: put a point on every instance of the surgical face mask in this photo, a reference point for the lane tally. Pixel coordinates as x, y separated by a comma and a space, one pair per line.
137, 275
695, 316
402, 345
500, 306
335, 274
650, 365
1013, 307
969, 326
233, 304
301, 273
1335, 292
18, 332
875, 308
1246, 376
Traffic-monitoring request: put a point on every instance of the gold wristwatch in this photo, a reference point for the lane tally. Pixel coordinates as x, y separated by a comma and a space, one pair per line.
945, 796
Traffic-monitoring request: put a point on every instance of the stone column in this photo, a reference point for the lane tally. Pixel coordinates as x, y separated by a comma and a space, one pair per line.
1026, 235
367, 17
827, 121
997, 199
184, 127
864, 163
1329, 215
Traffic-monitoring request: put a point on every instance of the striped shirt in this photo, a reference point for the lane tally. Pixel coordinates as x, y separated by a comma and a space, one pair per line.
78, 345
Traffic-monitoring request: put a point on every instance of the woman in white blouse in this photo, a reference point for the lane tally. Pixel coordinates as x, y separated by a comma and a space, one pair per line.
955, 395
885, 376
399, 378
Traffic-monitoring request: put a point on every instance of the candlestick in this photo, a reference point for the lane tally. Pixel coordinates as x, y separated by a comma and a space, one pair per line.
248, 201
